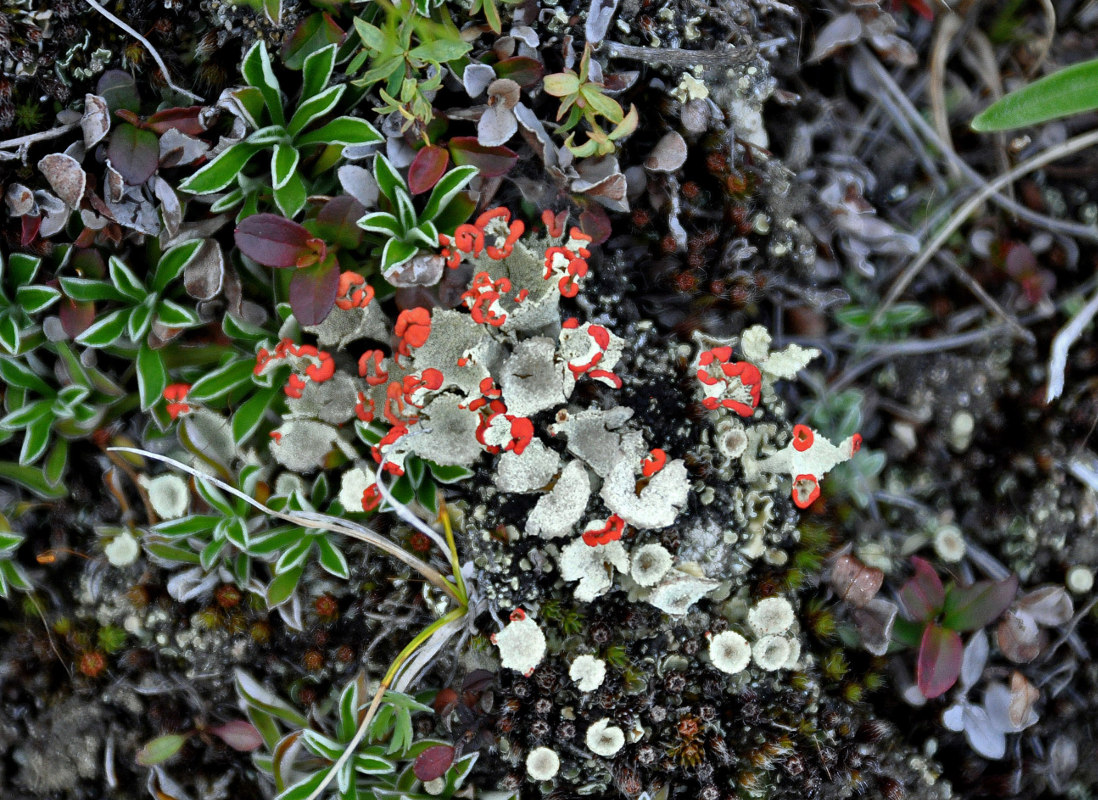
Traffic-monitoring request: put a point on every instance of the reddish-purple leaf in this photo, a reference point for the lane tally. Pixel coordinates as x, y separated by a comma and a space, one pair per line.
939, 664
433, 762
336, 222
491, 161
594, 222
923, 595
134, 153
76, 316
313, 291
273, 241
427, 167
31, 226
185, 120
522, 70
239, 735
968, 608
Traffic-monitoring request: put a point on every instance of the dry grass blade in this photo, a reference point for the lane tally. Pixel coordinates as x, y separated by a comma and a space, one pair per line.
1057, 361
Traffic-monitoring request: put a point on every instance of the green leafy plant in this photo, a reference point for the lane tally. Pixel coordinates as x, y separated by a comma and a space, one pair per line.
144, 303
1072, 90
12, 576
585, 99
937, 614
292, 140
896, 322
407, 55
406, 229
387, 762
21, 299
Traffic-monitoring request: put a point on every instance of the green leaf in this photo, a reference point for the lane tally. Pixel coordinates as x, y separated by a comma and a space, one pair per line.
268, 136
283, 164
191, 525
105, 331
406, 212
172, 315
216, 385
249, 416
242, 330
140, 319
440, 51
15, 373
172, 263
26, 415
228, 201
54, 468
341, 130
152, 377
388, 179
294, 556
311, 38
304, 788
33, 299
600, 103
283, 587
13, 575
36, 438
314, 108
371, 35
9, 334
256, 69
250, 103
396, 253
969, 608
31, 479
1072, 90
449, 474
383, 223
448, 186
84, 289
331, 558
258, 696
210, 554
290, 199
125, 281
170, 553
938, 664
561, 84
160, 749
427, 495
22, 268
223, 170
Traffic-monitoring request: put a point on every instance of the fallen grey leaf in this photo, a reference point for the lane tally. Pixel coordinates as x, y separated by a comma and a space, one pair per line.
96, 121
179, 149
496, 126
359, 183
20, 200
843, 31
65, 177
55, 214
668, 155
422, 270
116, 186
170, 208
598, 19
205, 273
694, 115
476, 78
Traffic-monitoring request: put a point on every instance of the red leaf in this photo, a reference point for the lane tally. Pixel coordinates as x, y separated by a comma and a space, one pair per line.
427, 167
184, 120
273, 241
939, 662
76, 317
923, 595
595, 224
522, 70
239, 735
31, 225
134, 153
313, 291
968, 608
491, 161
433, 762
336, 221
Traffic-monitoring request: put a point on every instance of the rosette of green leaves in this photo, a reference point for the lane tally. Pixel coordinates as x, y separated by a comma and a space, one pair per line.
290, 140
20, 300
128, 331
388, 763
12, 575
406, 229
582, 98
39, 406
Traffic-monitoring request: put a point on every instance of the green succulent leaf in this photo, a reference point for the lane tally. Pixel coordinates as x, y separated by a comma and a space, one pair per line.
160, 749
125, 281
223, 170
1072, 90
105, 331
290, 199
257, 71
152, 377
444, 191
85, 289
314, 108
33, 299
283, 165
969, 608
172, 263
341, 130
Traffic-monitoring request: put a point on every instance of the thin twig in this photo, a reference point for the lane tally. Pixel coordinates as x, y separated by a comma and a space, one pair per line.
41, 136
1054, 153
1057, 361
677, 57
985, 298
148, 46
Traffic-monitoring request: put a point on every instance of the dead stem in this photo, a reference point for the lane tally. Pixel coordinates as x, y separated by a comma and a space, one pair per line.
1057, 361
41, 136
148, 46
677, 57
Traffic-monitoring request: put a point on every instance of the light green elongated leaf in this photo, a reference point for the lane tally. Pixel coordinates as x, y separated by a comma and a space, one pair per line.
32, 480
290, 199
12, 574
160, 749
33, 299
247, 418
606, 106
54, 468
36, 438
215, 385
425, 234
228, 201
560, 84
186, 526
27, 415
22, 267
444, 191
170, 553
282, 587
105, 331
249, 102
9, 334
394, 254
173, 315
172, 263
222, 171
125, 281
381, 222
406, 212
256, 69
140, 319
317, 70
283, 164
331, 558
388, 180
371, 35
152, 377
440, 50
304, 788
15, 373
295, 555
71, 395
314, 108
268, 136
1072, 90
84, 289
341, 130
211, 553
242, 330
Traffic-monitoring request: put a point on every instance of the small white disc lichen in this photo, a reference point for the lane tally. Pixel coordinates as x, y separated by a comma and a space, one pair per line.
729, 652
521, 643
771, 652
650, 563
588, 672
542, 763
949, 544
770, 615
168, 494
604, 739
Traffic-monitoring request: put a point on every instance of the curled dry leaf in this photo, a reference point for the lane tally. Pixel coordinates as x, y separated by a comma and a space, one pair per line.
694, 116
65, 177
205, 273
424, 269
20, 200
96, 121
504, 92
854, 582
668, 155
1023, 697
843, 31
1047, 605
496, 126
476, 78
1019, 637
874, 623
